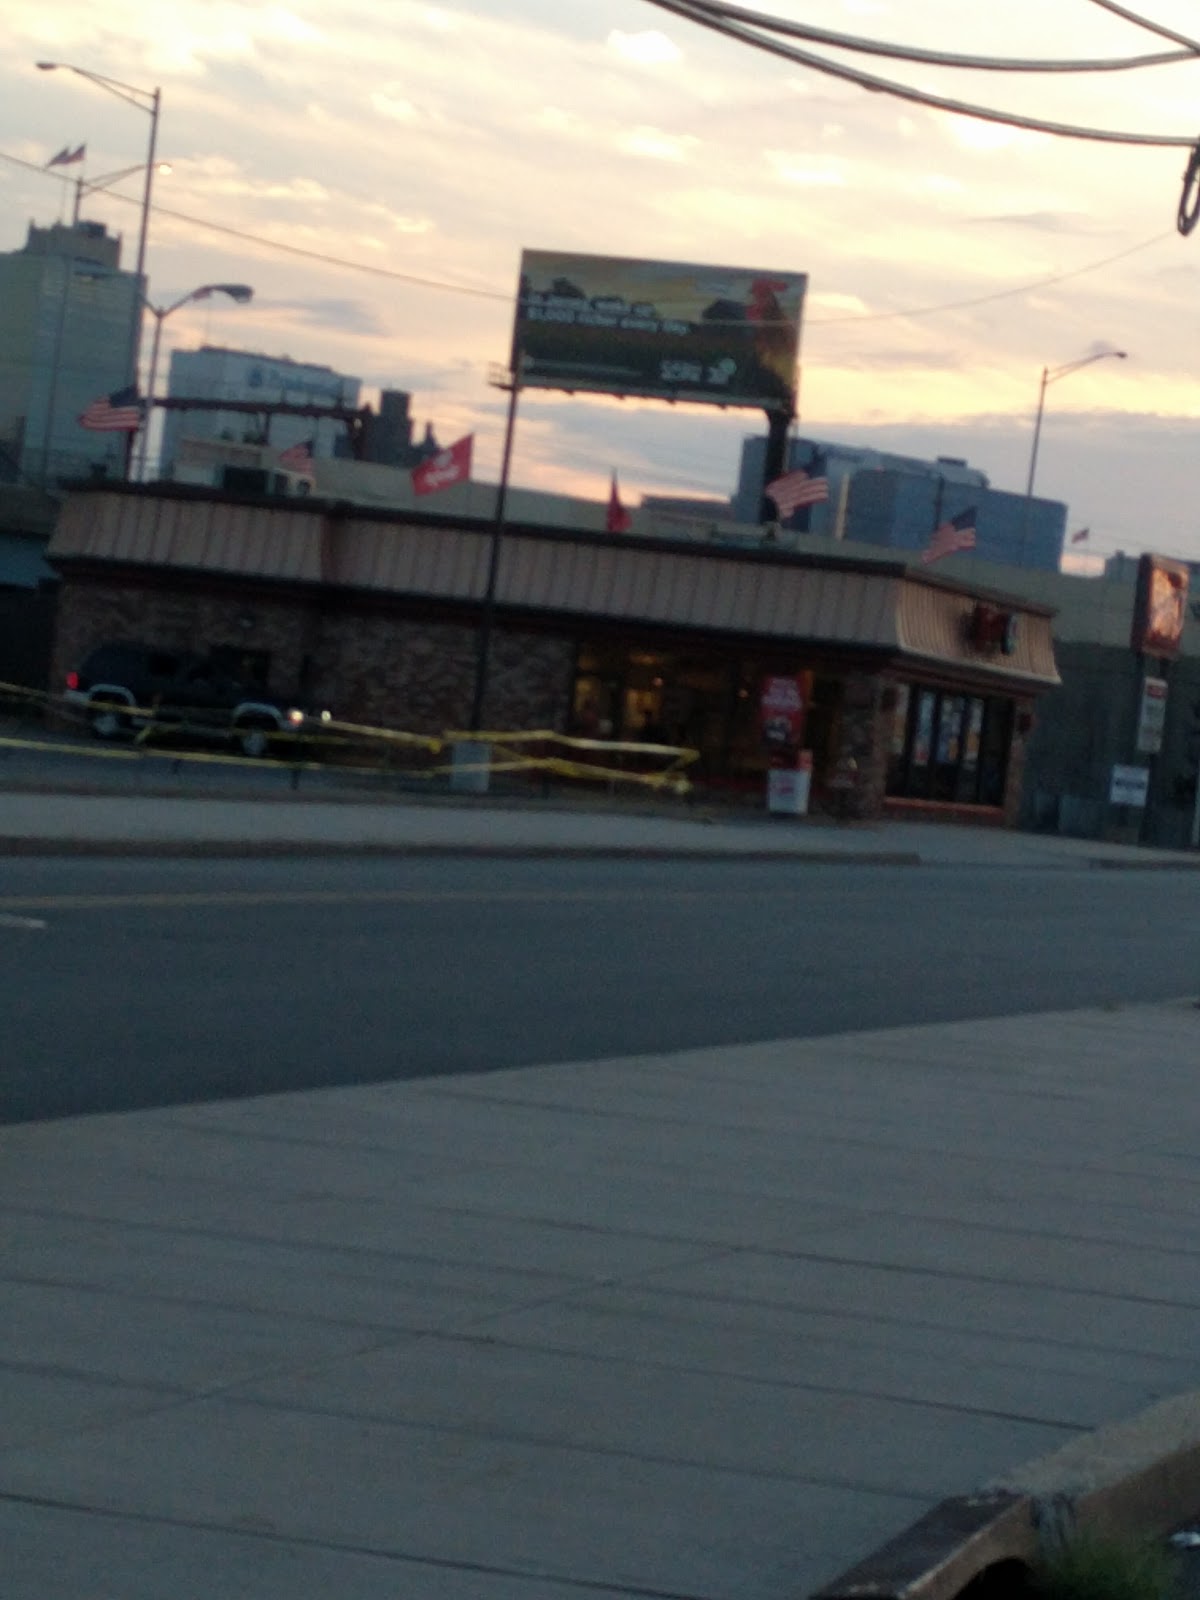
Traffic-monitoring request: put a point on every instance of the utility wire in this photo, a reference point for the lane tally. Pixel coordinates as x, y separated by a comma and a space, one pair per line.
1144, 22
715, 19
933, 58
500, 295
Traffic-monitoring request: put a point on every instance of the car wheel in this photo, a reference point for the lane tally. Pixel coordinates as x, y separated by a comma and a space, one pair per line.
254, 739
107, 721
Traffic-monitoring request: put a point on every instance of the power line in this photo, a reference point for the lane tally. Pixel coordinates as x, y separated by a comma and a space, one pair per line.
1144, 22
987, 299
506, 297
719, 18
275, 244
935, 58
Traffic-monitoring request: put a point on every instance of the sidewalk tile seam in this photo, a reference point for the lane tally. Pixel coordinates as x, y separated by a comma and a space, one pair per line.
807, 1308
560, 1445
257, 1534
489, 1341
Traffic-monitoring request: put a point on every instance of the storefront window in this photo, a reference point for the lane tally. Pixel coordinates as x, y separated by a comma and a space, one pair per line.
949, 747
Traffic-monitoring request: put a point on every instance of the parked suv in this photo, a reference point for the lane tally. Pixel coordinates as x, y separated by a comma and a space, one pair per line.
200, 696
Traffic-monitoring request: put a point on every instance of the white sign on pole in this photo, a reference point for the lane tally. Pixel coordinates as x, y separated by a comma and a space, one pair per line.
1129, 786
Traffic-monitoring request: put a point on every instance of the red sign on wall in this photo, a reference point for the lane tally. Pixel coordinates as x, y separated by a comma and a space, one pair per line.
781, 707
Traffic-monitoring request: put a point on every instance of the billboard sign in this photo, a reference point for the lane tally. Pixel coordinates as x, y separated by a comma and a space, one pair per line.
1160, 607
726, 336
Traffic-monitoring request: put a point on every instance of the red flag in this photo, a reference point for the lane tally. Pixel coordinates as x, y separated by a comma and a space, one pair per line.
616, 518
448, 466
298, 457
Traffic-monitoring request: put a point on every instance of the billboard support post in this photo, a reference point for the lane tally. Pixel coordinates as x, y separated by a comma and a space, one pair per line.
775, 460
483, 643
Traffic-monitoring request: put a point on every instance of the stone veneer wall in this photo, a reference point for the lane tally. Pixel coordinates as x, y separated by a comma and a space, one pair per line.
368, 665
862, 732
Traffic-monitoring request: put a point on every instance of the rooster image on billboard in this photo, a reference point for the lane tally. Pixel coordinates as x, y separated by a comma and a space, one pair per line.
726, 336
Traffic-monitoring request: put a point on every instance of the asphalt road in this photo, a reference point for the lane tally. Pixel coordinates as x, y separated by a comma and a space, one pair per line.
138, 983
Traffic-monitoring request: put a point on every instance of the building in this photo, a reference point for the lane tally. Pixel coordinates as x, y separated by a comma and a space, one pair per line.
876, 497
249, 380
69, 317
918, 689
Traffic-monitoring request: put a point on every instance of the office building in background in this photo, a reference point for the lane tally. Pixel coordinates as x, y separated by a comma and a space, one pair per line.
68, 314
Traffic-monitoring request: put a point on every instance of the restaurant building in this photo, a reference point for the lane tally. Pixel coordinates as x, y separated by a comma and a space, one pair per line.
918, 691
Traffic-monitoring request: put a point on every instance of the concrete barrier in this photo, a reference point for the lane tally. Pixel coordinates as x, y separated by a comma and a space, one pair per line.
1131, 1480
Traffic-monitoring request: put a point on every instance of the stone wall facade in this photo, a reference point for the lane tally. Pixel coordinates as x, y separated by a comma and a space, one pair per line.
368, 664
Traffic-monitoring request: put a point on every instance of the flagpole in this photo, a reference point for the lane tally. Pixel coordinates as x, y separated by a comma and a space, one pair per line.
487, 616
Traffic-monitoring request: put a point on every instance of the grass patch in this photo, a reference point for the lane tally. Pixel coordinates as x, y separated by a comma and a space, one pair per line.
1092, 1568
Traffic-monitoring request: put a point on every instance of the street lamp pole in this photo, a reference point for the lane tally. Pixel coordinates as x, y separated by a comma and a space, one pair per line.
241, 292
94, 185
149, 101
1051, 375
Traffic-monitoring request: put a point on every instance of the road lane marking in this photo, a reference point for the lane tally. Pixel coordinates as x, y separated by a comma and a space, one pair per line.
181, 899
7, 921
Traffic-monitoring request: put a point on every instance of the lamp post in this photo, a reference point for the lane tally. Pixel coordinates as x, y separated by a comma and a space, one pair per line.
94, 185
1051, 375
241, 292
149, 101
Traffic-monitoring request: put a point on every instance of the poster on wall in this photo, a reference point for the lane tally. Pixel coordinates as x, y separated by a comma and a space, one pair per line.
781, 707
667, 330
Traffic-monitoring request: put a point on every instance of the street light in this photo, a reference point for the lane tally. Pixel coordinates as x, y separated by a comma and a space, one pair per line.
149, 101
94, 185
1051, 375
241, 292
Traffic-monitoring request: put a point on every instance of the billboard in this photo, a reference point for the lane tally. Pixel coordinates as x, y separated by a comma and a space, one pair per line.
1159, 607
724, 336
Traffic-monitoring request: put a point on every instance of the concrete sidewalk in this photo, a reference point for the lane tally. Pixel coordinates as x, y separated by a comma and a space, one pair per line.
55, 823
707, 1325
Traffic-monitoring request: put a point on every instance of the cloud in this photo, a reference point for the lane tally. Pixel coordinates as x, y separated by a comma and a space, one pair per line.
656, 145
358, 317
801, 171
649, 49
1077, 222
394, 107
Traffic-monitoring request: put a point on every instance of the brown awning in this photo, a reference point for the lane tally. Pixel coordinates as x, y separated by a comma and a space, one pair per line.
835, 600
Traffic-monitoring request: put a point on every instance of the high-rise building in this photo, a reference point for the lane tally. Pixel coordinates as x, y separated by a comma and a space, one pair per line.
213, 373
877, 497
68, 318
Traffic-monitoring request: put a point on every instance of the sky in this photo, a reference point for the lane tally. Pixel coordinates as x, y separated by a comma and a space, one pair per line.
374, 168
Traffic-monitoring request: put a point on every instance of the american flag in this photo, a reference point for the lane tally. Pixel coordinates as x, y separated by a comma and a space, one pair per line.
120, 412
796, 489
298, 457
67, 156
956, 534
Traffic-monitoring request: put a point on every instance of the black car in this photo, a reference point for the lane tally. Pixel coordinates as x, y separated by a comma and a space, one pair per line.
125, 687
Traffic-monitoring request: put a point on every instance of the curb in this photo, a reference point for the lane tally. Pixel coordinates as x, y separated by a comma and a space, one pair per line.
1135, 1479
240, 849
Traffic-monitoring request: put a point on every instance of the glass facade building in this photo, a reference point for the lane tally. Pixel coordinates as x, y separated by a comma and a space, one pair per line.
68, 319
879, 498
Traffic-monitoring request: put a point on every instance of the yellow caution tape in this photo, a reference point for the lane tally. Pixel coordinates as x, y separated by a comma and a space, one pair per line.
336, 734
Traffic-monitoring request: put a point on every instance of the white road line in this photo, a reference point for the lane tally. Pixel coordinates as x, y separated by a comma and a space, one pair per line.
7, 921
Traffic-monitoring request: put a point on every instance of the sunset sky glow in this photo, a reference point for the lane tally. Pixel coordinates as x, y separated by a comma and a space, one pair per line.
406, 141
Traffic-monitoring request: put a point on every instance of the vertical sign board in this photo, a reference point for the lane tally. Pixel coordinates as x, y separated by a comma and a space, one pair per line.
783, 702
1152, 717
1160, 607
